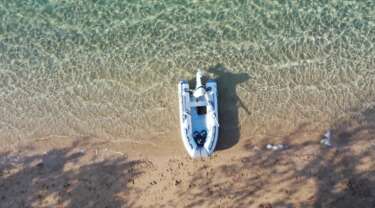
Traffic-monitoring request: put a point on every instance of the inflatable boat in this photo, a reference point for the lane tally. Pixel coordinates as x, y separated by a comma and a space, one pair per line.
199, 116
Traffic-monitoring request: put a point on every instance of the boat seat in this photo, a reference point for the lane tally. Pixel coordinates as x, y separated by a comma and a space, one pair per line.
198, 104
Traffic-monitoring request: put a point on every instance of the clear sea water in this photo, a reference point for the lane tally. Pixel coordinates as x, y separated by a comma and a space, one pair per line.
109, 68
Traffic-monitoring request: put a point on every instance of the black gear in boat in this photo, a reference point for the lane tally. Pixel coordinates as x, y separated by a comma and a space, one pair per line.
200, 137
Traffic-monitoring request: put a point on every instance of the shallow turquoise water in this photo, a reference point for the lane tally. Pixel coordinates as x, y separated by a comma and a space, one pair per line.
110, 68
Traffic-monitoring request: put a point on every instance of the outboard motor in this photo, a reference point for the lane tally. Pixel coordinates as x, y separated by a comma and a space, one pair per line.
199, 88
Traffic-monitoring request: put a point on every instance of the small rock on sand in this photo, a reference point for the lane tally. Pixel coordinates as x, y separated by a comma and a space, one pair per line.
177, 182
40, 165
265, 205
326, 140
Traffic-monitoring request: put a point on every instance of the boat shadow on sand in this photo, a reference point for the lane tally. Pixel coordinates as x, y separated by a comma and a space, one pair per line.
229, 104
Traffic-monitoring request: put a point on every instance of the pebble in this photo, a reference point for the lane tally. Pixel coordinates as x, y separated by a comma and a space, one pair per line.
40, 165
265, 205
66, 185
177, 182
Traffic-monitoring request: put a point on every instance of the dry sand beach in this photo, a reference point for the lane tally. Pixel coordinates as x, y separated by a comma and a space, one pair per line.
89, 107
90, 172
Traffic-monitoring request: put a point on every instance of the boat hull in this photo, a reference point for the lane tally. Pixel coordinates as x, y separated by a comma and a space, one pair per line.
199, 115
